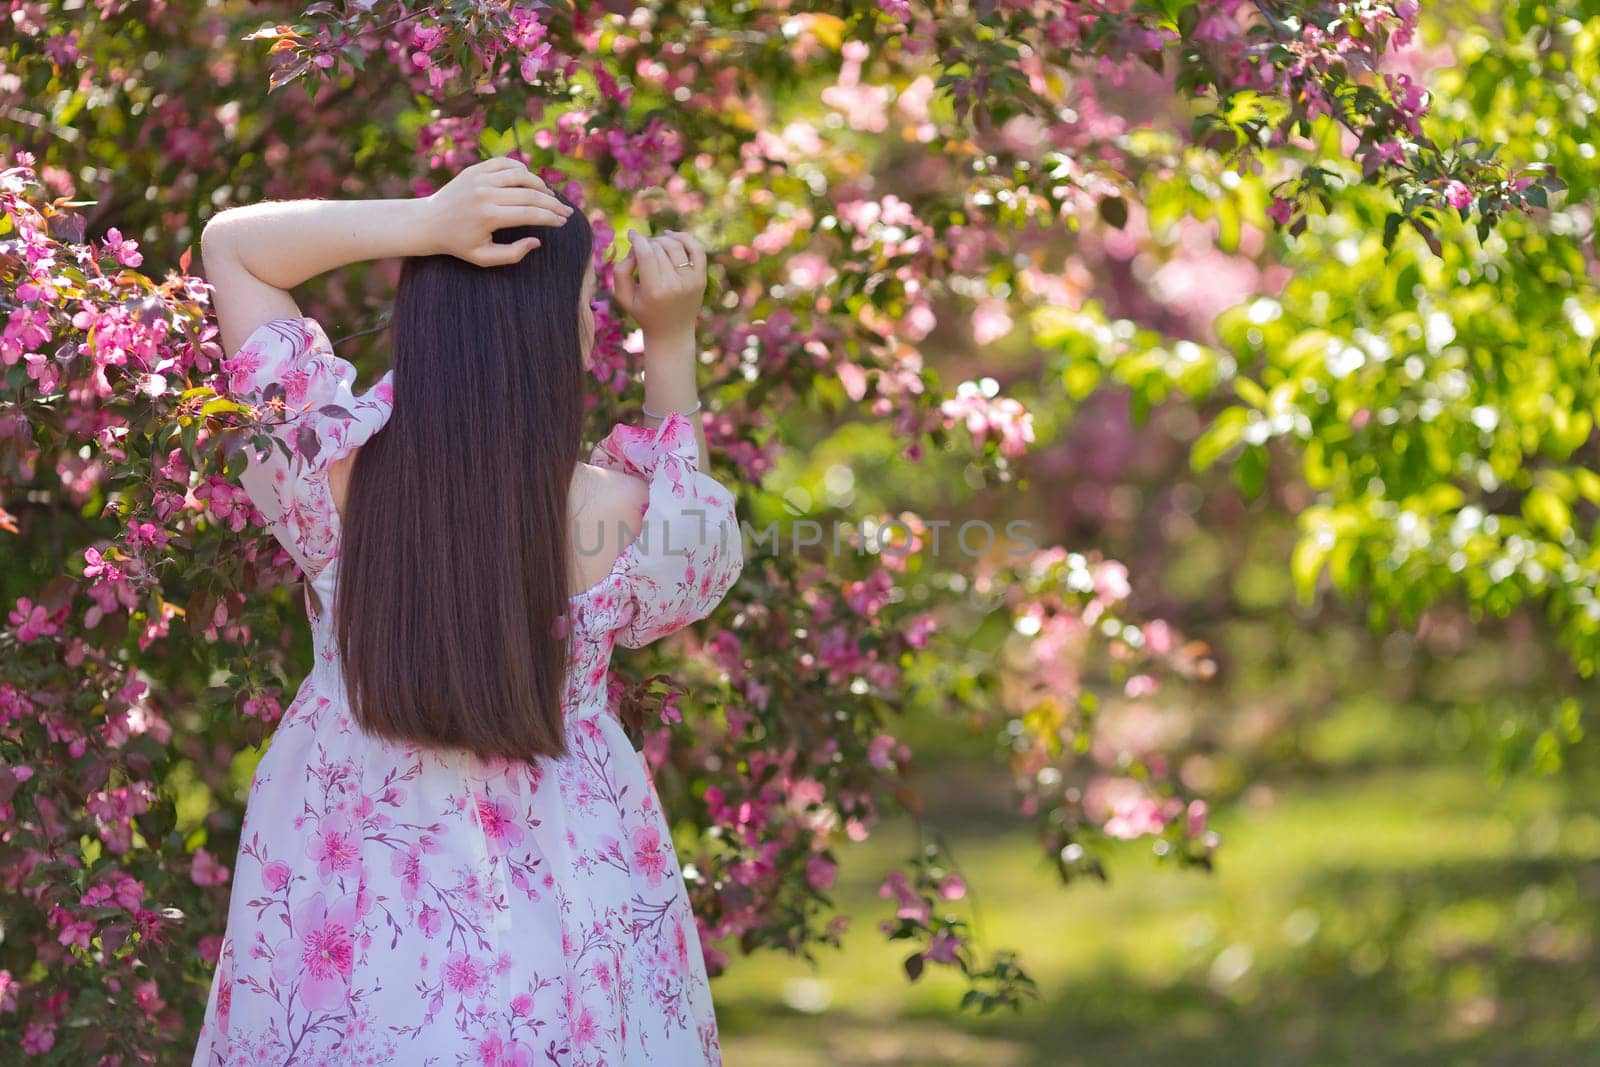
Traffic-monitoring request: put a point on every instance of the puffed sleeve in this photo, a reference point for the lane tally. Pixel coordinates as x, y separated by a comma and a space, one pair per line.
687, 553
287, 370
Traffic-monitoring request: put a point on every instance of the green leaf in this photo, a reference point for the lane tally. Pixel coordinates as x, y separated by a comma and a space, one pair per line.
1305, 565
1226, 431
1114, 210
1545, 509
1250, 471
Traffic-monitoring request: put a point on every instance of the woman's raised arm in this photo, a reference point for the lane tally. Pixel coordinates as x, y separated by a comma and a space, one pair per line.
254, 255
662, 283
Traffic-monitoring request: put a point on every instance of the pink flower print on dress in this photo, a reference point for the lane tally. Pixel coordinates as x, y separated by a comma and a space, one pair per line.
680, 945
463, 974
275, 875
224, 990
243, 368
500, 822
493, 1052
309, 519
316, 962
585, 1031
648, 858
299, 383
336, 846
407, 866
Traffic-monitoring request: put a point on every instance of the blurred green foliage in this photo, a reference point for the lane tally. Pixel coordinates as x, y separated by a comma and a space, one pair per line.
1386, 525
1441, 408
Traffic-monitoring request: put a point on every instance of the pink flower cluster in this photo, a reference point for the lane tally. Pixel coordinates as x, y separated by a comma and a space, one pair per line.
646, 158
988, 417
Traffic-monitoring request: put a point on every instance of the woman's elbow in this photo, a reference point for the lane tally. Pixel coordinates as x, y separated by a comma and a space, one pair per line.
216, 239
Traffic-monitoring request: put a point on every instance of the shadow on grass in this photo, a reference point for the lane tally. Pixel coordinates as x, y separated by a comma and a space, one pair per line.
1457, 963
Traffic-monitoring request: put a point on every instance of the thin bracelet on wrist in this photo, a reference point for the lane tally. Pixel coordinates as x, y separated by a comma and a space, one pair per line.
652, 415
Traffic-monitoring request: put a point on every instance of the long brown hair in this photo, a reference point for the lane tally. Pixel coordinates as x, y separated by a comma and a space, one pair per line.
452, 584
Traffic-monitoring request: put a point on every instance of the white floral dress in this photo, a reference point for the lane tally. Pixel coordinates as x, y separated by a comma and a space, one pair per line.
401, 905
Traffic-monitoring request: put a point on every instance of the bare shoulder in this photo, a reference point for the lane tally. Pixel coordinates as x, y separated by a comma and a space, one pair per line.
607, 492
606, 506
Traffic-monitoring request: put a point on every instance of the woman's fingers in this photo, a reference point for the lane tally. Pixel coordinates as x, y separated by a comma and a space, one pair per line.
520, 196
511, 172
623, 283
524, 194
527, 199
677, 249
653, 266
697, 251
688, 260
500, 255
505, 217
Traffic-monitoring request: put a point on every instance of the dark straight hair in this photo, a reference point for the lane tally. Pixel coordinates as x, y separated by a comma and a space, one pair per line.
453, 573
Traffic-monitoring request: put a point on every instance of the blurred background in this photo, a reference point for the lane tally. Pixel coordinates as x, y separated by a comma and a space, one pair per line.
1394, 744
1325, 795
1377, 898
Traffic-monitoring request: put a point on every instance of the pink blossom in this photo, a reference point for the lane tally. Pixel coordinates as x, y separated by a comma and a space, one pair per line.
990, 321
1159, 638
646, 158
205, 870
262, 706
943, 947
73, 930
1111, 582
1139, 685
126, 252
1195, 818
986, 416
865, 106
32, 621
1389, 152
39, 1038
910, 904
1133, 813
820, 872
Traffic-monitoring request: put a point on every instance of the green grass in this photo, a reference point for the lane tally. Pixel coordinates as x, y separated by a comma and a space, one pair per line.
1371, 915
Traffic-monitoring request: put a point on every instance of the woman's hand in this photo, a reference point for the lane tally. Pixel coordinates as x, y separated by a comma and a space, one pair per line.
460, 219
662, 282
